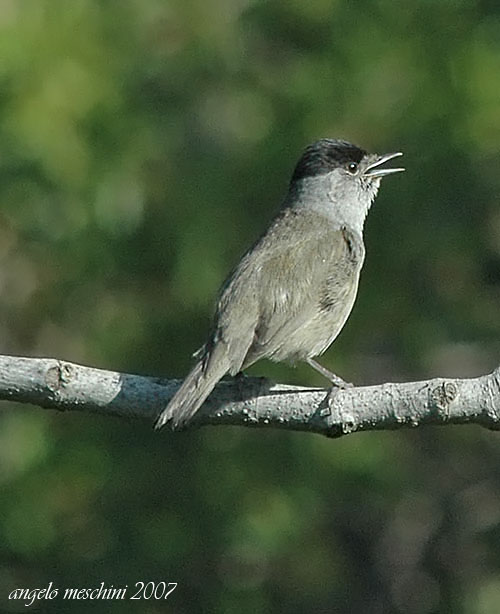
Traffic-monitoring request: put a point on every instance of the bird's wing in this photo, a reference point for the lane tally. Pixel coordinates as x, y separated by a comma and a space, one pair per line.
280, 285
309, 278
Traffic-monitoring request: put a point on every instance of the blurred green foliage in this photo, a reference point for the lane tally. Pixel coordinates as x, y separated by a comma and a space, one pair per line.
144, 144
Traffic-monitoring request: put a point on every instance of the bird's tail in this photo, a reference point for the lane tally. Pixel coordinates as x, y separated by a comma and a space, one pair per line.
192, 393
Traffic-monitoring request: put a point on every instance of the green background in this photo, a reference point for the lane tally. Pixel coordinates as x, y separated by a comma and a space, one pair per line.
144, 144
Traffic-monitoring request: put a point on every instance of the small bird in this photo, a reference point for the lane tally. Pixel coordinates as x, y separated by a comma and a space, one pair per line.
292, 292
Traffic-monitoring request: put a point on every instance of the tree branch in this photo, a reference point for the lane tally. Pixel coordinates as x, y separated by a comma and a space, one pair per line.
56, 384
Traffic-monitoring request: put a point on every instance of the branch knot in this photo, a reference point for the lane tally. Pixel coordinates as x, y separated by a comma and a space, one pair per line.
58, 375
443, 395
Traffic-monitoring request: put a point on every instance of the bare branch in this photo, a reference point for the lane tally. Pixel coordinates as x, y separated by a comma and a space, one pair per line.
56, 384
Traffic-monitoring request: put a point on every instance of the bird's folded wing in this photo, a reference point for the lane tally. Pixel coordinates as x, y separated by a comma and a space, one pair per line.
280, 285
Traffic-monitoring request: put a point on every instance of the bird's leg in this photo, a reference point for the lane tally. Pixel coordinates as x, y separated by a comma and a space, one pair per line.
338, 384
239, 380
334, 379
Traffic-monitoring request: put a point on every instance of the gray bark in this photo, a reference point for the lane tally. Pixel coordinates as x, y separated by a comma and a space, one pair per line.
60, 385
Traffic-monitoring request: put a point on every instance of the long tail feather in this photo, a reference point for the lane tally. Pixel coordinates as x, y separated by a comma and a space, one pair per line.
191, 395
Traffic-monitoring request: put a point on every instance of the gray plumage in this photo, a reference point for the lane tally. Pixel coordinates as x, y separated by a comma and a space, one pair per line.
292, 292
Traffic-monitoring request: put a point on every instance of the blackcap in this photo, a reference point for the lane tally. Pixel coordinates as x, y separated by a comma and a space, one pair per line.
292, 292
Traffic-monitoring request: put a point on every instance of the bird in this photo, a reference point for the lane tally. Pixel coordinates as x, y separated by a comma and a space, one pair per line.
291, 293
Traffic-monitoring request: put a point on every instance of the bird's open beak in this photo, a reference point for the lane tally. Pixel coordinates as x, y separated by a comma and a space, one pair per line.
373, 170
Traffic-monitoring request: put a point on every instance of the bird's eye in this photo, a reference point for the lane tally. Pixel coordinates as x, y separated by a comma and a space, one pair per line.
352, 167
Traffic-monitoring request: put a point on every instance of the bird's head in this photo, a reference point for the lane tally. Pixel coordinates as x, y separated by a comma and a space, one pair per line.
336, 175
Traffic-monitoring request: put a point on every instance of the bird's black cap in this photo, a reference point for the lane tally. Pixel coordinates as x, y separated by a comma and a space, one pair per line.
324, 155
